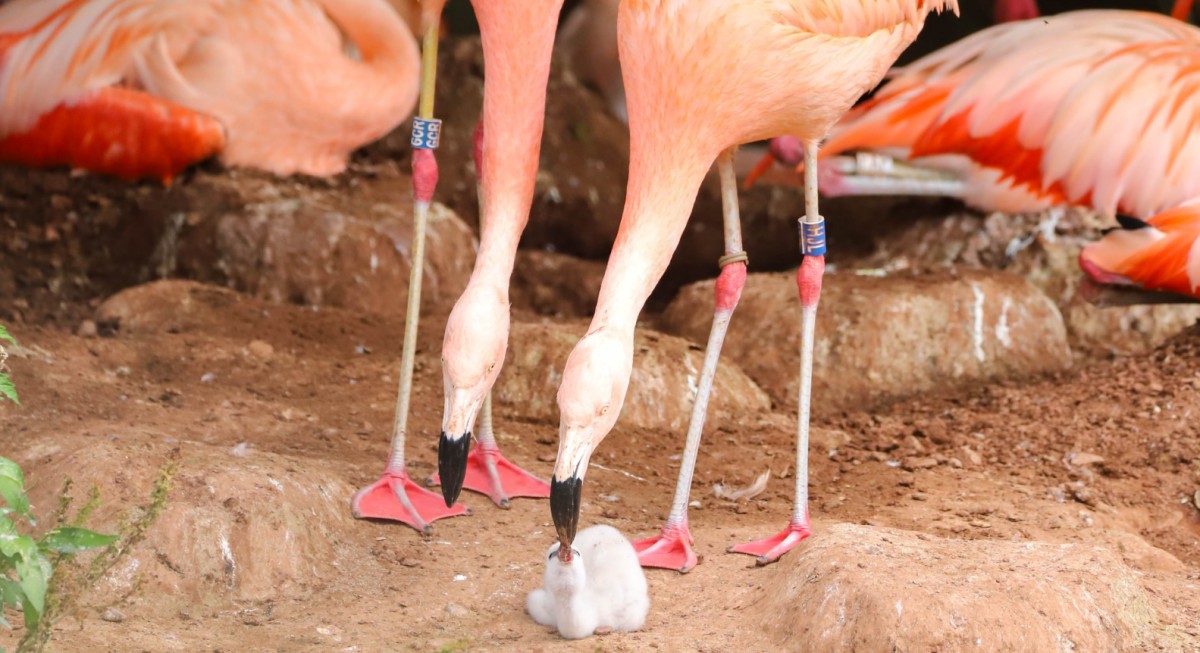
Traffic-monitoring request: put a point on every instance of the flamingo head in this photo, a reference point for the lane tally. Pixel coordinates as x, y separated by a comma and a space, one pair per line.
472, 354
589, 400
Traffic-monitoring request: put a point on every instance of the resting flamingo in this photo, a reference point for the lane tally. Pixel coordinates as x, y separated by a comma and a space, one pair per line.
701, 77
518, 36
144, 88
1026, 115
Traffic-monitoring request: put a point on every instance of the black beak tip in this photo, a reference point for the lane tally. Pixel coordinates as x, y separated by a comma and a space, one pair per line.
452, 465
564, 507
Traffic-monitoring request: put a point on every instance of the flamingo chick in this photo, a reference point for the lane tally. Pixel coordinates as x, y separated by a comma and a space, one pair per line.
144, 88
598, 583
701, 77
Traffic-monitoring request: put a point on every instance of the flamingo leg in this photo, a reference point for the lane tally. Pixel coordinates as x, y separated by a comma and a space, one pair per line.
395, 496
808, 278
672, 549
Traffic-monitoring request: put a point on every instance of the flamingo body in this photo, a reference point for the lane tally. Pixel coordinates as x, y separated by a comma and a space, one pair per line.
145, 87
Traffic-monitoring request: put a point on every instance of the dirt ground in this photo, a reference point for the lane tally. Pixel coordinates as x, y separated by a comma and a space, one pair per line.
277, 411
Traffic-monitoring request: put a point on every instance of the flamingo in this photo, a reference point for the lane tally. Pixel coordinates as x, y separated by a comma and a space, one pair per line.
701, 77
144, 88
1160, 255
518, 37
1014, 10
1032, 114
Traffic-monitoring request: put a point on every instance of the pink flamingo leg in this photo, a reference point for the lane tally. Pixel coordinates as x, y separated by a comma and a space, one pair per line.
672, 549
808, 278
395, 496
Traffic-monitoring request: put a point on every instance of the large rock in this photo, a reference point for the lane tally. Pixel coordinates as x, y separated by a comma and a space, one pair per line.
317, 246
1044, 248
661, 391
238, 523
554, 284
857, 588
881, 337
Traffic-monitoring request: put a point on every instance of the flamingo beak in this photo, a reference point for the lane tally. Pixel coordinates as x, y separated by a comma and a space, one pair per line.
452, 464
566, 485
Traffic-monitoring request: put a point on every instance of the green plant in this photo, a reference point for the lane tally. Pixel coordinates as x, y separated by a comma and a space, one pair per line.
25, 562
7, 389
71, 581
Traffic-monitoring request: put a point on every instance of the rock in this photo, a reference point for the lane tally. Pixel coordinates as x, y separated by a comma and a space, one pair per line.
1044, 248
882, 337
113, 615
456, 610
323, 248
261, 350
661, 389
554, 284
87, 329
865, 588
173, 306
265, 528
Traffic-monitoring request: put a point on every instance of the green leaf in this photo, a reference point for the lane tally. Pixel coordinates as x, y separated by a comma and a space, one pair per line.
11, 593
8, 390
34, 573
12, 487
68, 539
5, 336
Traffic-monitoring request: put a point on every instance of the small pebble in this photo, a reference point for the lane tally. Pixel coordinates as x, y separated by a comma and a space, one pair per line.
87, 329
113, 615
920, 496
261, 350
456, 610
459, 578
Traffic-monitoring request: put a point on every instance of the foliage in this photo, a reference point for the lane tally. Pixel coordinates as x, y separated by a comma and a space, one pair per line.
7, 389
27, 565
71, 581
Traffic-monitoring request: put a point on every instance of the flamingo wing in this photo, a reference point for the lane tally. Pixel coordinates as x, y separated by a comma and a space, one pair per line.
69, 85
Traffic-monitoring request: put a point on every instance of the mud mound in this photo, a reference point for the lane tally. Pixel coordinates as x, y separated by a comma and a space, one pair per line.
880, 337
1044, 248
855, 587
666, 370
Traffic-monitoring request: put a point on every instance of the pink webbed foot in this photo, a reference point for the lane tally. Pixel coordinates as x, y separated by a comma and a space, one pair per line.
397, 498
490, 473
672, 549
769, 550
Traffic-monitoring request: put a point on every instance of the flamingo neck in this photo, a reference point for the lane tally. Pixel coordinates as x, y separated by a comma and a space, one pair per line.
664, 178
518, 38
383, 40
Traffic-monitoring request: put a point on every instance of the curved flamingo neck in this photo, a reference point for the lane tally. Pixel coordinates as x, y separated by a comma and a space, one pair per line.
383, 40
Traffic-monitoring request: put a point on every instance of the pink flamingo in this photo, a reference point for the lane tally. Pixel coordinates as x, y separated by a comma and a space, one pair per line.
1159, 258
138, 88
517, 36
701, 77
1006, 119
1012, 10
